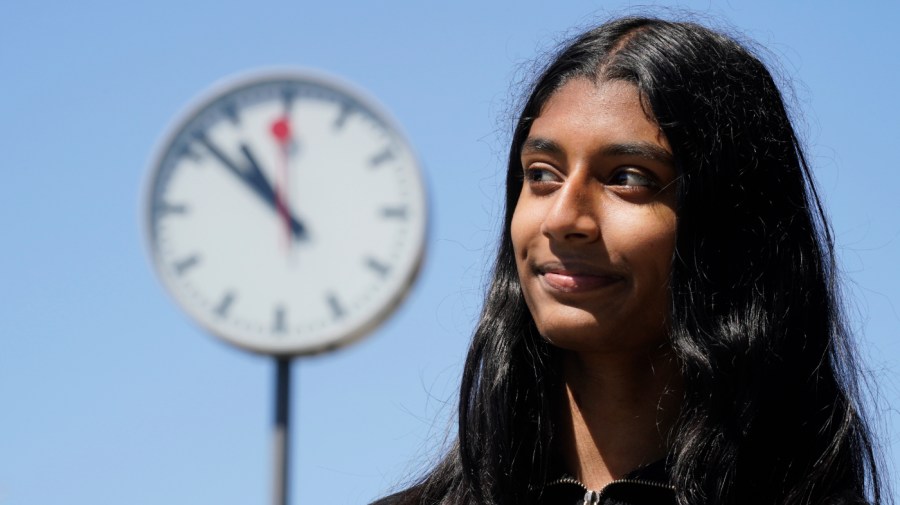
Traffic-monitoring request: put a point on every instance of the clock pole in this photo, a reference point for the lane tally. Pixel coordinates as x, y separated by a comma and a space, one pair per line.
282, 429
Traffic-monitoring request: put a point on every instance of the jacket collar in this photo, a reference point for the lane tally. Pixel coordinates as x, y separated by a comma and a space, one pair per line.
646, 485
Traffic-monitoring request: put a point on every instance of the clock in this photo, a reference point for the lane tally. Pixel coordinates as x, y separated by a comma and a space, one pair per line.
286, 213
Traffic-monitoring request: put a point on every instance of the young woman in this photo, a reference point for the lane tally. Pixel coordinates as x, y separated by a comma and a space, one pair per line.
663, 324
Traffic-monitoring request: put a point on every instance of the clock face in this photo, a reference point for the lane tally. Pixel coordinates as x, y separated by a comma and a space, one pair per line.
286, 214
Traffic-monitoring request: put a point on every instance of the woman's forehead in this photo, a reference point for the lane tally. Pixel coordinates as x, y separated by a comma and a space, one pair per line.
592, 114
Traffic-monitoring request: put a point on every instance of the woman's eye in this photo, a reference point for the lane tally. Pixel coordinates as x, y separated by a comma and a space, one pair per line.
631, 178
539, 175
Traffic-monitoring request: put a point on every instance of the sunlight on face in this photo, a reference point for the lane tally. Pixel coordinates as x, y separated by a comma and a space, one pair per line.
594, 227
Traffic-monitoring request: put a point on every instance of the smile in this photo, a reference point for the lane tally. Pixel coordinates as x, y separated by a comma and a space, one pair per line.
569, 279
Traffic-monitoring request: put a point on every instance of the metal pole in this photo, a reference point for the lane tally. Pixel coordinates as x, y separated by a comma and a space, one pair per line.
282, 429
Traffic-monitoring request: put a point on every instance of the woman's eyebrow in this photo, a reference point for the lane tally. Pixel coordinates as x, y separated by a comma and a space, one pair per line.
541, 145
645, 150
640, 149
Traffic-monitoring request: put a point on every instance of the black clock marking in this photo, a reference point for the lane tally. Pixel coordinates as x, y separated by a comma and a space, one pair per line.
386, 155
231, 112
166, 208
398, 212
287, 96
377, 266
186, 151
345, 111
186, 264
337, 310
278, 324
225, 304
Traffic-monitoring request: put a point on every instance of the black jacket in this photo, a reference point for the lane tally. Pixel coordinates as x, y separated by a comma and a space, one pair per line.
644, 486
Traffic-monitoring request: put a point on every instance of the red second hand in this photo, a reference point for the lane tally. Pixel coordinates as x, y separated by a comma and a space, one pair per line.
281, 130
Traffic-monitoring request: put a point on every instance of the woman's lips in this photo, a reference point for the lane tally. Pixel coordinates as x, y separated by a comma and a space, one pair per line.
574, 281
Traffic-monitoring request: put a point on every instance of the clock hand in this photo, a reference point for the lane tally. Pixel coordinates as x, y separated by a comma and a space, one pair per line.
297, 229
253, 177
281, 130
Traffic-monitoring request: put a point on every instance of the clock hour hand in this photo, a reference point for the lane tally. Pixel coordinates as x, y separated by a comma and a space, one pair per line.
265, 189
254, 178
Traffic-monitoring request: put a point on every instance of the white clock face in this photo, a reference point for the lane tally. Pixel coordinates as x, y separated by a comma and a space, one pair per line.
287, 214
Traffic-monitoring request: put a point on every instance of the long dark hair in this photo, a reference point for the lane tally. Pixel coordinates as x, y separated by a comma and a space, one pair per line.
771, 410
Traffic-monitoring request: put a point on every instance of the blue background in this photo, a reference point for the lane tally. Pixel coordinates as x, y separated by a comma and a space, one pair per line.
109, 394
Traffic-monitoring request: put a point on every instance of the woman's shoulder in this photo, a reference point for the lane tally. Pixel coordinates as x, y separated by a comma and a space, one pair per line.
405, 497
847, 498
394, 499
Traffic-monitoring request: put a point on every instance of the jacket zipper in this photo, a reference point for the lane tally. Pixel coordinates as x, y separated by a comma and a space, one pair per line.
592, 497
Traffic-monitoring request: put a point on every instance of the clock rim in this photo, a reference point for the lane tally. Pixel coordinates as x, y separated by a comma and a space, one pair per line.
247, 79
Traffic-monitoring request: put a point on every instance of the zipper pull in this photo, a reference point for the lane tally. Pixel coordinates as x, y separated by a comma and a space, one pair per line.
591, 498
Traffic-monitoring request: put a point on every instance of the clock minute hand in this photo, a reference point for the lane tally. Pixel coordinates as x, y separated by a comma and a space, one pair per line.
265, 189
253, 177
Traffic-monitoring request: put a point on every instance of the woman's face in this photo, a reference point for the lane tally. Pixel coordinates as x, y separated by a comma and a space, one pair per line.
594, 227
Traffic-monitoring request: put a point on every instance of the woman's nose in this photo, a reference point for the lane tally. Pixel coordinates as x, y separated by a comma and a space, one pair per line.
573, 215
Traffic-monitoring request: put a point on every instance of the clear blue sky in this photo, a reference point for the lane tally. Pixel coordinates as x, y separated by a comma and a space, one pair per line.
110, 395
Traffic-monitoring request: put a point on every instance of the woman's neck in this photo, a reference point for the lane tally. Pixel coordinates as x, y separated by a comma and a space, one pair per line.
616, 412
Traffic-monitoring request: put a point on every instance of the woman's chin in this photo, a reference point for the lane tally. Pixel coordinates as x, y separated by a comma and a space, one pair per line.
579, 342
